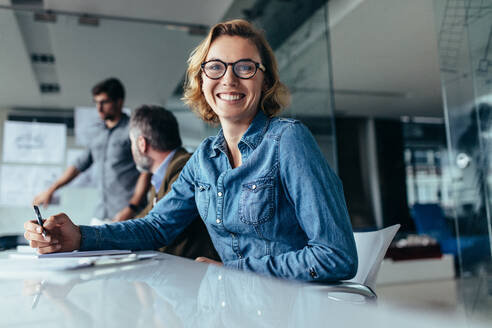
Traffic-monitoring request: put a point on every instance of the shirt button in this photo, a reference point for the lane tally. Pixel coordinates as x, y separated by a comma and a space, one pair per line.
253, 187
218, 221
219, 194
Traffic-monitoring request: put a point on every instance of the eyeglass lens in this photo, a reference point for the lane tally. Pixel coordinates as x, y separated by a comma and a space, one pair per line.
215, 69
102, 102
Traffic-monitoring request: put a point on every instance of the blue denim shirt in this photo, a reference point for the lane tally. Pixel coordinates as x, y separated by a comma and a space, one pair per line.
281, 213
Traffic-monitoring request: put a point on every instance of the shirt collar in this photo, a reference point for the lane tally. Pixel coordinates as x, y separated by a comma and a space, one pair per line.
252, 137
124, 118
159, 174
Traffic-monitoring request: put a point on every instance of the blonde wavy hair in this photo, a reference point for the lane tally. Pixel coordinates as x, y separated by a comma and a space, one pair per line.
275, 96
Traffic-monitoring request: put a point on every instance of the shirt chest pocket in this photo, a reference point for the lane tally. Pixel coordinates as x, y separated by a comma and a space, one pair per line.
119, 150
97, 151
202, 198
256, 204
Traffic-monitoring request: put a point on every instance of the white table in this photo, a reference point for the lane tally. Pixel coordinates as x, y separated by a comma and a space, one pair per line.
175, 292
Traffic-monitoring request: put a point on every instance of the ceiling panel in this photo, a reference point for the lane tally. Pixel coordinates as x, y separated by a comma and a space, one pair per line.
384, 55
205, 12
17, 79
387, 45
149, 59
384, 59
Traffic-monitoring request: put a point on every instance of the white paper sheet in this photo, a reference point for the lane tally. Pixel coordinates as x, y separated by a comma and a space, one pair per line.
17, 265
371, 248
34, 254
31, 142
19, 184
44, 264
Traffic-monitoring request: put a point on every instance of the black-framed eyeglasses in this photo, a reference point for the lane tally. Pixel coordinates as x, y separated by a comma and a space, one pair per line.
244, 68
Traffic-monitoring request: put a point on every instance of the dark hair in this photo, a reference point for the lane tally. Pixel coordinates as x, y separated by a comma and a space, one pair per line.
112, 87
157, 125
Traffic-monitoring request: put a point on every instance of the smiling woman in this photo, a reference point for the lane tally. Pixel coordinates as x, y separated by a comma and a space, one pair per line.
234, 100
275, 95
270, 201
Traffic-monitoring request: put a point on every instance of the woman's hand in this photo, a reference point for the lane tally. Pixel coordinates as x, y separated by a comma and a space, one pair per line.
62, 235
207, 260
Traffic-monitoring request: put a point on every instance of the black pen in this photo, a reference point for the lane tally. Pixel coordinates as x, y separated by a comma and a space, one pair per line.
40, 220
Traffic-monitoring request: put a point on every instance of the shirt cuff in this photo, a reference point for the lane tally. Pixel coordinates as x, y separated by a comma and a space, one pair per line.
90, 238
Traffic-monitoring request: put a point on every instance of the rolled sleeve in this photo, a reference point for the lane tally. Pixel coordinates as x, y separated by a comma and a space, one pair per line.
84, 161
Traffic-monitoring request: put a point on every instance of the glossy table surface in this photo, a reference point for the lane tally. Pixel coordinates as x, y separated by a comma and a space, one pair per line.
168, 291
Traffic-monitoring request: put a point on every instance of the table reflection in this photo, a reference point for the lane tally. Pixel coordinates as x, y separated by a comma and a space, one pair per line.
175, 292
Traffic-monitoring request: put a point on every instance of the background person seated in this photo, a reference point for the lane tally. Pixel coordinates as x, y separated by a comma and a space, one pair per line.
156, 148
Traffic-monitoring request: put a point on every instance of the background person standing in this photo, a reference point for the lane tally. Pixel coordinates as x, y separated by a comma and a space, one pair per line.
122, 188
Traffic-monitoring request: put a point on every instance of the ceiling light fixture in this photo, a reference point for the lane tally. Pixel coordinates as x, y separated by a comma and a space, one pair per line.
88, 20
45, 16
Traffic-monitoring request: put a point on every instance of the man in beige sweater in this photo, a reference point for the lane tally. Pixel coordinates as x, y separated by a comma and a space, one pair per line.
156, 148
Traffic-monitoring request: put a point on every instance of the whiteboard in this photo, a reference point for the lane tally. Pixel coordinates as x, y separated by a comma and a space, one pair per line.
33, 142
19, 184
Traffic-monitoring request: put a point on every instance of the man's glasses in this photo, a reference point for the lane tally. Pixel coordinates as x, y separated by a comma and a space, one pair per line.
244, 69
103, 102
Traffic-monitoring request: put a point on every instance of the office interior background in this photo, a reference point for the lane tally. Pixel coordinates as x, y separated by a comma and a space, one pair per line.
397, 93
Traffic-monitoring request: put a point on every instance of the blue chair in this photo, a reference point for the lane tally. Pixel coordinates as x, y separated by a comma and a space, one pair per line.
429, 219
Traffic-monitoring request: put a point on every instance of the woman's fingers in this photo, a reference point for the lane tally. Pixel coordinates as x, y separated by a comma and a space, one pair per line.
36, 244
45, 247
32, 226
48, 248
35, 236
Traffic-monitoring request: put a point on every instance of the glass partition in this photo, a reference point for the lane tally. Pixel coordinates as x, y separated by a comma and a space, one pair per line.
464, 36
464, 33
305, 66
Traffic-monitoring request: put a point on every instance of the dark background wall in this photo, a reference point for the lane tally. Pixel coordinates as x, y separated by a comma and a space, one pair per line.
352, 169
392, 178
353, 155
